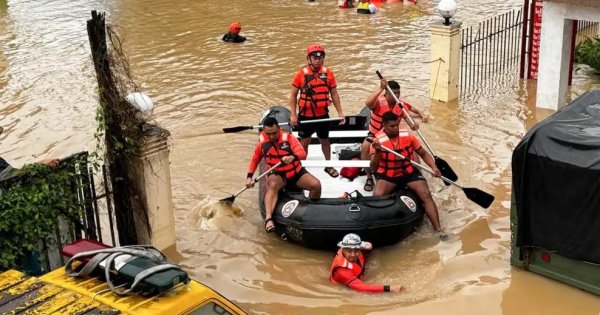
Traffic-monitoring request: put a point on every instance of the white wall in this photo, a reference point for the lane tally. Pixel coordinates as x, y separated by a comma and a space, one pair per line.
553, 72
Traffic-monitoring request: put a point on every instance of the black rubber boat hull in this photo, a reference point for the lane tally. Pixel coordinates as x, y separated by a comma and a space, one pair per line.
322, 224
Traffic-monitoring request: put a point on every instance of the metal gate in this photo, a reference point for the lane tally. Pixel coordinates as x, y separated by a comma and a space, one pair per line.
489, 48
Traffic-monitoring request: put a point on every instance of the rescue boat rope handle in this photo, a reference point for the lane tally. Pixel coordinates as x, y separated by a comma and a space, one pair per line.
444, 167
478, 196
232, 198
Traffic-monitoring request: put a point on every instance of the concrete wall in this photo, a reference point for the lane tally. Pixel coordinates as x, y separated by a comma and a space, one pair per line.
557, 28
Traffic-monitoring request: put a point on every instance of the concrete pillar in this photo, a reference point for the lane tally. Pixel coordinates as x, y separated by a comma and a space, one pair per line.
152, 173
555, 53
445, 61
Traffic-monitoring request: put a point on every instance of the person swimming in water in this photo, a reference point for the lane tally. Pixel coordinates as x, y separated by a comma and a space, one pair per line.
233, 36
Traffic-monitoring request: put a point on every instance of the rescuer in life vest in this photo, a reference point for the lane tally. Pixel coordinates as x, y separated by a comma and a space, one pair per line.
348, 266
379, 104
311, 88
392, 171
277, 145
233, 36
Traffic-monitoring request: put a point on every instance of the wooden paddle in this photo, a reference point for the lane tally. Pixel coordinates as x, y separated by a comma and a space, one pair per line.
242, 128
230, 200
479, 197
441, 164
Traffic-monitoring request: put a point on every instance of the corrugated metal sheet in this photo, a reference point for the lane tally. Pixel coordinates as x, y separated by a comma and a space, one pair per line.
22, 294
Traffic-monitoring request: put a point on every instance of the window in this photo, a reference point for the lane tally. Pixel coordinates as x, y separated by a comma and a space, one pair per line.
210, 308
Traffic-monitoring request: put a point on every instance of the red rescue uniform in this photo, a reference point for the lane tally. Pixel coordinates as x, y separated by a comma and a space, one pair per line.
350, 274
391, 166
285, 145
314, 91
382, 107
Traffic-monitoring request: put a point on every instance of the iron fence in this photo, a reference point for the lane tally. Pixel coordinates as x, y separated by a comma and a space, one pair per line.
587, 29
489, 48
94, 220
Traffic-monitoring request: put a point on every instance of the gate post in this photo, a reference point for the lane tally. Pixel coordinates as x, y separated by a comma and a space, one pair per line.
445, 65
152, 173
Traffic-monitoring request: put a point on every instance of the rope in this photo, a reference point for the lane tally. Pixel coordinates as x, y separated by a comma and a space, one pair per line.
110, 254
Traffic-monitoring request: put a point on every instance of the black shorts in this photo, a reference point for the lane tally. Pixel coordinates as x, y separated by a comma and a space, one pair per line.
402, 181
290, 184
307, 130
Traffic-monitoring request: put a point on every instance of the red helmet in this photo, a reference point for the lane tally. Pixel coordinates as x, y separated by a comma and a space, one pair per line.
235, 27
315, 48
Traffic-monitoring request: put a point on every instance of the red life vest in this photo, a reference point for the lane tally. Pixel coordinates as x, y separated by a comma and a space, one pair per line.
315, 103
274, 151
384, 107
390, 165
358, 268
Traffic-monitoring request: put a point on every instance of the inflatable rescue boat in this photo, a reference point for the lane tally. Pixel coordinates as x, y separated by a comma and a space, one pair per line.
344, 206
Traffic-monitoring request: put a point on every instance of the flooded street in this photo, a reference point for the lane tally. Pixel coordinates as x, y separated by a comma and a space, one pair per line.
200, 84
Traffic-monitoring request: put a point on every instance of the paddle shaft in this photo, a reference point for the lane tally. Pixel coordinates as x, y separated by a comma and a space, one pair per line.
421, 166
412, 122
258, 178
314, 121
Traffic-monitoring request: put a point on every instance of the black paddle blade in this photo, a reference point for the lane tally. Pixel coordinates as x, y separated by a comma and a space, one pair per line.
236, 129
228, 200
479, 197
445, 169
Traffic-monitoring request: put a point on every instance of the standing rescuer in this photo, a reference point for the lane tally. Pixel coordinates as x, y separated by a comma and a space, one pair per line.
311, 88
348, 266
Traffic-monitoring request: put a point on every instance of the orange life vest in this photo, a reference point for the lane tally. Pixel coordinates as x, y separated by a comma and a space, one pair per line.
390, 165
341, 262
273, 152
384, 107
314, 93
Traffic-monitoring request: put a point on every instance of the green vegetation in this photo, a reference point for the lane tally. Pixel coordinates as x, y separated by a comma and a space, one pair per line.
588, 52
30, 204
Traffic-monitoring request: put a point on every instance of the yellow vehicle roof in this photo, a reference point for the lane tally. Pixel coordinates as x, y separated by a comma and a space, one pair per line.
55, 292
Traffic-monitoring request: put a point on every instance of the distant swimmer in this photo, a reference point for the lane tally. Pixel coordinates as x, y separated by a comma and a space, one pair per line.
366, 7
233, 36
346, 4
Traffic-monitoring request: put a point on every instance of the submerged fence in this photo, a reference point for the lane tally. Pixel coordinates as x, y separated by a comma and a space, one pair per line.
489, 48
93, 218
96, 220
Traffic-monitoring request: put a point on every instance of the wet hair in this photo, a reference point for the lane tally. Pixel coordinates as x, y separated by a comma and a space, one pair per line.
270, 122
394, 85
388, 116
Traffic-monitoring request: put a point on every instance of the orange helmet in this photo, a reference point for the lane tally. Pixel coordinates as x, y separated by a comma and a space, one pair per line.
313, 48
235, 27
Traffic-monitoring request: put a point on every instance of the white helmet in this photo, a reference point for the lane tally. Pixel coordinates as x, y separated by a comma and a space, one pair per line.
351, 241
